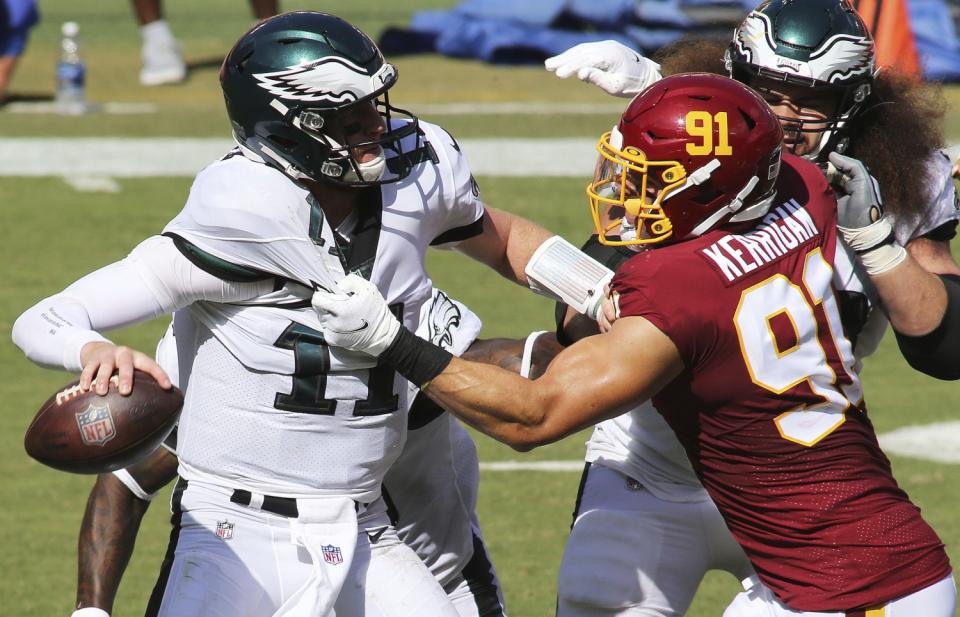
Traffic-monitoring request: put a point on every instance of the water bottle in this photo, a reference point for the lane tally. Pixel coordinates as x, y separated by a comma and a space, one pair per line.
71, 73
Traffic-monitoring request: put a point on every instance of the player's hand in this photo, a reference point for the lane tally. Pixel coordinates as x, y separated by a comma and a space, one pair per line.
859, 203
356, 317
101, 359
860, 217
609, 65
610, 310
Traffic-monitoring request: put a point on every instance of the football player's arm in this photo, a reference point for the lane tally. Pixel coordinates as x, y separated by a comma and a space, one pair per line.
63, 331
506, 243
111, 521
922, 299
597, 378
918, 287
526, 253
527, 358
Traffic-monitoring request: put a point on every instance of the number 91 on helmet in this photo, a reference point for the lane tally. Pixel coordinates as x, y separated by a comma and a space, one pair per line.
690, 153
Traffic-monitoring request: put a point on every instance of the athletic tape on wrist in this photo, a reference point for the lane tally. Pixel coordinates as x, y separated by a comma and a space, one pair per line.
883, 258
90, 611
419, 361
569, 274
133, 486
875, 245
527, 358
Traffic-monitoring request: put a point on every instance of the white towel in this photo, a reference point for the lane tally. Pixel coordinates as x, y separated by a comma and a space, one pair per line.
327, 529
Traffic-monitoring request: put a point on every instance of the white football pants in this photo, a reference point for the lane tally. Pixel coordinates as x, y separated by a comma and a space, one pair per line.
937, 600
631, 554
230, 560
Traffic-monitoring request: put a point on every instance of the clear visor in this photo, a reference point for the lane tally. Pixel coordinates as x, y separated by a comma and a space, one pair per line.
627, 194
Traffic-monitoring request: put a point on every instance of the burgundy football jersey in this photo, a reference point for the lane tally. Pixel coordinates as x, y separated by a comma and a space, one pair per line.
770, 411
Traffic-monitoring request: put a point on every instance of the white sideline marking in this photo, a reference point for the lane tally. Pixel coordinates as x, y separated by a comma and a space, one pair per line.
93, 184
502, 108
533, 466
514, 108
938, 442
113, 109
176, 156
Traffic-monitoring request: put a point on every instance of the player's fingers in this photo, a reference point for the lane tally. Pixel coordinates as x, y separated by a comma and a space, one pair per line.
554, 62
325, 302
143, 362
846, 164
102, 381
87, 374
125, 370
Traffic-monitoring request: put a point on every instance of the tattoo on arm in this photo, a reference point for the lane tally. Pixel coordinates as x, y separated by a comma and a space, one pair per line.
110, 525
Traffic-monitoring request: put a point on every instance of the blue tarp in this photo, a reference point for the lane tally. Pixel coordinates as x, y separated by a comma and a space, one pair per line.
511, 32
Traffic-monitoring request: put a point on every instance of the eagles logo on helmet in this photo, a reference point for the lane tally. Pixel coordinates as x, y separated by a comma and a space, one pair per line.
287, 82
690, 153
818, 44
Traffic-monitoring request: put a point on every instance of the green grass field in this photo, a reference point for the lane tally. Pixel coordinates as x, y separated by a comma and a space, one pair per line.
53, 234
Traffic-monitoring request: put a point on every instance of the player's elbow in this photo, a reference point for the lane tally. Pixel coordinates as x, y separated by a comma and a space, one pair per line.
22, 333
526, 437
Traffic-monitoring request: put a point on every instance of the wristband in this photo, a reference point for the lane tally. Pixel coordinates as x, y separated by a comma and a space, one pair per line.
419, 361
90, 611
527, 358
133, 486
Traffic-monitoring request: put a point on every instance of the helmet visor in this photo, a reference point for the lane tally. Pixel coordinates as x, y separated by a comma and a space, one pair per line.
627, 194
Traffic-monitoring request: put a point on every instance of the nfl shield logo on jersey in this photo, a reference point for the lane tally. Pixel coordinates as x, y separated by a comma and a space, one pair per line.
224, 530
332, 554
96, 425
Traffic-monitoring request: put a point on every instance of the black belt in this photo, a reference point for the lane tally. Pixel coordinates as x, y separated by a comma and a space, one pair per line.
284, 506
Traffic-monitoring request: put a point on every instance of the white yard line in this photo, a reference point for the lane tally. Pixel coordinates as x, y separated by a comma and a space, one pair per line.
502, 108
938, 442
533, 466
171, 156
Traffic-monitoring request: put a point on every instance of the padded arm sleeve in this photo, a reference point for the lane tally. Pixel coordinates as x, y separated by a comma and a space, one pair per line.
937, 354
154, 279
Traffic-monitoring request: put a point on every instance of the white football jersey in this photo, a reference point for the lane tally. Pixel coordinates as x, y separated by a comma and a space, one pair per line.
641, 445
271, 408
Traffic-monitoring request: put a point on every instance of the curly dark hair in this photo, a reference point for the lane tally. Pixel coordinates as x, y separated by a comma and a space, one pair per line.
897, 131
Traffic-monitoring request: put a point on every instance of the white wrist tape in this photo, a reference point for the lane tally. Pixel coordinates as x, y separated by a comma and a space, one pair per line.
131, 483
527, 358
883, 258
871, 244
573, 276
90, 611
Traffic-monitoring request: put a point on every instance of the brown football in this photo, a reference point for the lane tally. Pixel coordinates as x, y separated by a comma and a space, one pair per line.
83, 432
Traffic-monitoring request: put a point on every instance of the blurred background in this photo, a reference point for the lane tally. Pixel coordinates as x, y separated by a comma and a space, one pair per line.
79, 190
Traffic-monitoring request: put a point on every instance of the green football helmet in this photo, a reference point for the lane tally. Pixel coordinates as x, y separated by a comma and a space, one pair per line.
287, 80
820, 44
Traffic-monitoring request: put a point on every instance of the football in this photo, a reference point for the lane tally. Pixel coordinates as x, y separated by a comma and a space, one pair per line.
83, 432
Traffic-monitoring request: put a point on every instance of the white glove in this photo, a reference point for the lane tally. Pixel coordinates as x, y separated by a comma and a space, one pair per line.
609, 65
860, 217
90, 611
356, 317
